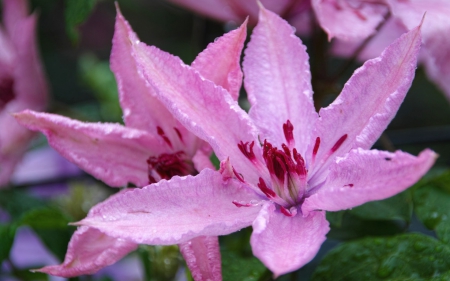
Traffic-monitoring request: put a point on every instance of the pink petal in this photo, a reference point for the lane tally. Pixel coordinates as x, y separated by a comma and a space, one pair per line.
202, 256
204, 108
348, 20
219, 62
141, 108
89, 251
368, 102
112, 153
368, 175
14, 11
390, 31
175, 211
278, 81
436, 23
285, 244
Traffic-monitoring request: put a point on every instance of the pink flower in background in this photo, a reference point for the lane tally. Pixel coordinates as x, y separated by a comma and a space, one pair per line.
352, 21
283, 164
22, 82
152, 146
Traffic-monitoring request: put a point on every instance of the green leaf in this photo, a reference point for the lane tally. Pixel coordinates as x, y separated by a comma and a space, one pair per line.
345, 226
27, 275
403, 257
99, 78
77, 11
16, 202
432, 205
45, 218
398, 207
51, 225
7, 233
235, 267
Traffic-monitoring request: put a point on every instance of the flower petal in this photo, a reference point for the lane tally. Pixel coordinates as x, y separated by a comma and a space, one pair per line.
436, 23
218, 9
368, 102
285, 244
175, 211
202, 256
110, 152
204, 108
278, 81
89, 251
141, 109
219, 62
14, 11
348, 20
367, 175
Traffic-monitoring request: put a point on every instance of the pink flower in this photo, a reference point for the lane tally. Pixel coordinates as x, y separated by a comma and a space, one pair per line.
283, 164
352, 21
22, 82
152, 146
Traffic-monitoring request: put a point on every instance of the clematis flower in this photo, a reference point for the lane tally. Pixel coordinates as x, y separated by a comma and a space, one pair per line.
152, 146
353, 21
283, 164
22, 82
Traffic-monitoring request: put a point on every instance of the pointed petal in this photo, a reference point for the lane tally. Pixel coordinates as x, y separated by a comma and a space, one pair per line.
436, 23
30, 87
367, 175
89, 251
110, 152
202, 256
174, 211
141, 109
202, 107
278, 81
285, 244
220, 61
368, 102
348, 20
14, 11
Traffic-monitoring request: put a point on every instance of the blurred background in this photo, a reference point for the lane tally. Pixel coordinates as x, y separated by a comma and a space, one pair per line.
47, 192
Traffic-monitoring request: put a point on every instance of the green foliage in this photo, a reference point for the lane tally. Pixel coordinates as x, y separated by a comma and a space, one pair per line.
7, 233
403, 257
77, 11
99, 78
235, 267
344, 226
432, 205
16, 202
398, 207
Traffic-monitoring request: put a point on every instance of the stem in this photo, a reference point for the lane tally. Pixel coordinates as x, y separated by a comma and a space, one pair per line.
145, 259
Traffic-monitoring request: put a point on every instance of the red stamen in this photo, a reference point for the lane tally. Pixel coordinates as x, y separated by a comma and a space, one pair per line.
247, 149
286, 212
338, 143
169, 165
267, 191
238, 176
286, 150
163, 135
349, 185
178, 134
242, 204
288, 130
300, 167
316, 147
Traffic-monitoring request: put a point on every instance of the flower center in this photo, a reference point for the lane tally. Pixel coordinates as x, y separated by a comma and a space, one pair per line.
6, 91
165, 166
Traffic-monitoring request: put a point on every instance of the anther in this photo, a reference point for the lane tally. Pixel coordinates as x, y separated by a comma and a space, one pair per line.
288, 130
247, 149
267, 191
